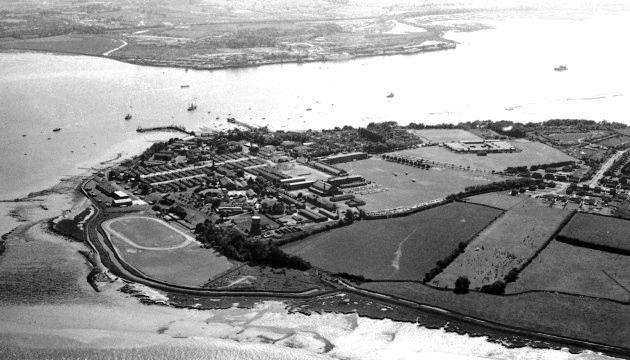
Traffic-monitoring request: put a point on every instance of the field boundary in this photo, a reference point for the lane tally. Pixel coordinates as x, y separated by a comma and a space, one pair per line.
589, 245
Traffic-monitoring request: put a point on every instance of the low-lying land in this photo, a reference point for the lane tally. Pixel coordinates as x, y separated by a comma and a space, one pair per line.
576, 270
528, 153
402, 248
598, 231
184, 263
397, 185
509, 243
266, 279
596, 320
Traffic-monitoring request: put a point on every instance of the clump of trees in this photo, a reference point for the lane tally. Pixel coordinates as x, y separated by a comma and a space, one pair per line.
496, 288
352, 277
493, 187
233, 245
461, 285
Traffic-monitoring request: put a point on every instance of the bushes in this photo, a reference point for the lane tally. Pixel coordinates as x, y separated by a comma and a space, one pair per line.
461, 285
442, 264
233, 245
496, 288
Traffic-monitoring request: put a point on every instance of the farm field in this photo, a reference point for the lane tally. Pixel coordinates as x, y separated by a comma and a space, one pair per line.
445, 135
163, 258
599, 231
393, 184
531, 153
500, 200
615, 141
74, 44
572, 316
508, 243
576, 270
402, 248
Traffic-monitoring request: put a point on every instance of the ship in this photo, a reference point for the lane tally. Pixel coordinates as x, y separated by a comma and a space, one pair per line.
391, 95
184, 86
231, 120
57, 129
561, 68
192, 107
128, 117
308, 109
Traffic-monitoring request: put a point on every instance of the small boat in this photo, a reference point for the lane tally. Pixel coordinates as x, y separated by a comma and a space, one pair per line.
56, 129
391, 95
192, 107
128, 117
308, 109
561, 68
184, 86
231, 120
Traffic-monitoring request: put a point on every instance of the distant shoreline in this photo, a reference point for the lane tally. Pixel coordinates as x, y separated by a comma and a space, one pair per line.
182, 64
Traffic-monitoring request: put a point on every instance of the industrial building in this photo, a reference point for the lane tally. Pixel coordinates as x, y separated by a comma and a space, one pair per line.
341, 158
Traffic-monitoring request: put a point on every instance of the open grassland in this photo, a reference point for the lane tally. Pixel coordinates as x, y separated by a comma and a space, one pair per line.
500, 200
293, 169
147, 232
72, 44
265, 278
403, 248
397, 185
528, 153
576, 270
169, 260
615, 141
598, 231
507, 243
572, 316
445, 135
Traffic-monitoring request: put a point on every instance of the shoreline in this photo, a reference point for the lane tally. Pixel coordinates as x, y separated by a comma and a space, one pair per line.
448, 45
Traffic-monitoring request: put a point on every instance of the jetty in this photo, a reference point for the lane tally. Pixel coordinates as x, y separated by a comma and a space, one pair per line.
176, 128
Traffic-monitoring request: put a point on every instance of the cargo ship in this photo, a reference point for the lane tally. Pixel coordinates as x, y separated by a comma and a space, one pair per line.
192, 107
561, 68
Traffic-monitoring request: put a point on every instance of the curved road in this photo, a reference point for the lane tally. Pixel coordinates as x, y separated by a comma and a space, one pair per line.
119, 267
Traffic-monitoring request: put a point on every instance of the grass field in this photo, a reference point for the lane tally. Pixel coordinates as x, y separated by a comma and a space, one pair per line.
265, 278
394, 186
531, 153
598, 231
576, 270
298, 170
508, 243
184, 263
444, 135
74, 44
501, 200
577, 317
403, 248
615, 141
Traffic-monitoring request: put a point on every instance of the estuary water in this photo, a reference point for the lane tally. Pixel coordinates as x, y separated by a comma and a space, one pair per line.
502, 73
506, 72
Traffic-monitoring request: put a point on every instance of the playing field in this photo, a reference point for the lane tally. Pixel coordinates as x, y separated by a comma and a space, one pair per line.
399, 248
508, 243
163, 252
576, 270
531, 153
596, 230
445, 135
148, 232
397, 185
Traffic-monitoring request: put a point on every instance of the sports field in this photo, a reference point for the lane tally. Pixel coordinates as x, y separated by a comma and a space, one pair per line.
508, 243
576, 270
397, 185
531, 153
445, 135
403, 248
163, 252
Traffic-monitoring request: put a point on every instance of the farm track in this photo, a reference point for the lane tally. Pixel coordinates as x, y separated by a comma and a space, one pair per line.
106, 258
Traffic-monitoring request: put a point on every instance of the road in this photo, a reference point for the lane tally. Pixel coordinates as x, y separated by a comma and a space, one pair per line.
103, 251
600, 173
124, 43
